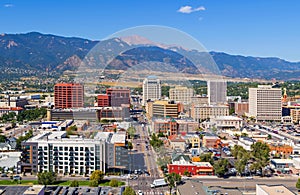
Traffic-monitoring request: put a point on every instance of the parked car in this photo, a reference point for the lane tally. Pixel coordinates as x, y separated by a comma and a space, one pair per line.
4, 175
17, 177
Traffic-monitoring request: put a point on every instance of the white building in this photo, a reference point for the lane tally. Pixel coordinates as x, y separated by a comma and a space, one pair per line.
265, 103
246, 142
151, 89
263, 189
217, 91
181, 94
202, 112
227, 122
73, 154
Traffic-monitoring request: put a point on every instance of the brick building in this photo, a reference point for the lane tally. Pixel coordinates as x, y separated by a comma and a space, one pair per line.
68, 95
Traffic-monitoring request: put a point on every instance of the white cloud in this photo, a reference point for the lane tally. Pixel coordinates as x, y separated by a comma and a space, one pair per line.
8, 5
189, 9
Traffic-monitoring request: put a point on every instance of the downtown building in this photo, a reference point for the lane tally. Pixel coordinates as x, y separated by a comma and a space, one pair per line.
181, 94
151, 89
73, 155
203, 112
68, 95
114, 105
265, 103
216, 92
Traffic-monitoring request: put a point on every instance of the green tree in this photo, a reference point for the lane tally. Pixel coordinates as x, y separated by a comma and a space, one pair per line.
128, 191
187, 173
172, 179
298, 184
221, 167
27, 136
97, 175
2, 138
113, 183
131, 131
155, 142
129, 146
260, 153
46, 178
207, 157
93, 183
74, 183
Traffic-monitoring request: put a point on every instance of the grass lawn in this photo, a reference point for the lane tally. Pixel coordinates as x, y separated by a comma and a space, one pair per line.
59, 183
22, 182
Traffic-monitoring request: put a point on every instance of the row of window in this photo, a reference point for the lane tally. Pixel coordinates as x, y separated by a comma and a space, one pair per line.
66, 148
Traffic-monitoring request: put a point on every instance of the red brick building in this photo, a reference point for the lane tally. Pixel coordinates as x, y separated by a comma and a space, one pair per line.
68, 95
103, 100
195, 168
182, 163
114, 97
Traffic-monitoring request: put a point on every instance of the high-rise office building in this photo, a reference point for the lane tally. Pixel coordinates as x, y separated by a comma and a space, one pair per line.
151, 89
68, 95
117, 97
181, 94
216, 91
265, 103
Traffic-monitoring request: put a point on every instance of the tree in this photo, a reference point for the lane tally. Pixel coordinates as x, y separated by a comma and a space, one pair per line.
260, 153
207, 157
74, 183
298, 184
128, 191
172, 179
131, 131
129, 145
24, 138
93, 183
269, 136
221, 167
97, 176
113, 183
2, 138
187, 173
46, 178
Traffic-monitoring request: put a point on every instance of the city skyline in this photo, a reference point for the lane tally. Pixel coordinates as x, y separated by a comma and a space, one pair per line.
262, 29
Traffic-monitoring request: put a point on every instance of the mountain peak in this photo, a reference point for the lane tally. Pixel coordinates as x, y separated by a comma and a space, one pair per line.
137, 40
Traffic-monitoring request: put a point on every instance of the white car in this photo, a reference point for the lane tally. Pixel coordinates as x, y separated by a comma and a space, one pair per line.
140, 192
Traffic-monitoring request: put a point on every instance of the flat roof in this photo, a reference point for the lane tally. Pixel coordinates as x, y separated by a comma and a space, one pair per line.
282, 161
118, 138
228, 118
35, 189
191, 187
275, 189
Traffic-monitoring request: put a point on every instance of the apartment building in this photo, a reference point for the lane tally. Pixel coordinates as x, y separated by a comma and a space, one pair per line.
73, 155
265, 103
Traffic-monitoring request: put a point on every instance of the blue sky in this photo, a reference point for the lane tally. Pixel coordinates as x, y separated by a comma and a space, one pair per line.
257, 27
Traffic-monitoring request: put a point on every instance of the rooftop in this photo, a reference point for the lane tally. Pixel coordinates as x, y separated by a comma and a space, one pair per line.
35, 189
282, 161
228, 118
275, 189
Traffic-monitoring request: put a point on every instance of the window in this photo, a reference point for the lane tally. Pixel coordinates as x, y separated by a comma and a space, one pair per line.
81, 148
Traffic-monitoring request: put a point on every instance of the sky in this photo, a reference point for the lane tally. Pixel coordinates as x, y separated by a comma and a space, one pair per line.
261, 28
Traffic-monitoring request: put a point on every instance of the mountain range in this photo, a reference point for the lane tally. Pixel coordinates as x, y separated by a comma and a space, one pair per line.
49, 55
